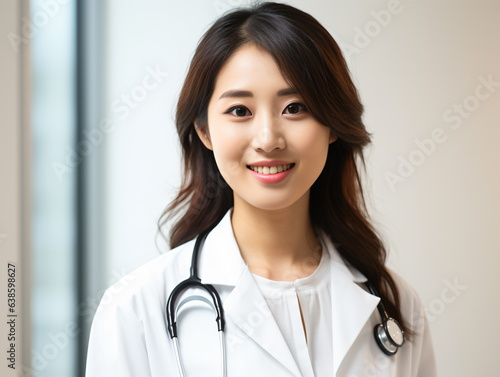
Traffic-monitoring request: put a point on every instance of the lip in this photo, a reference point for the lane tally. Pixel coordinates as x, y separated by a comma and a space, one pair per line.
271, 178
270, 163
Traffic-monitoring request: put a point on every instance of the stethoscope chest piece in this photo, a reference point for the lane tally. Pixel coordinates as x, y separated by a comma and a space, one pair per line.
389, 336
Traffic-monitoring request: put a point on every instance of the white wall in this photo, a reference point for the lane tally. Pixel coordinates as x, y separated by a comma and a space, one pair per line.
417, 63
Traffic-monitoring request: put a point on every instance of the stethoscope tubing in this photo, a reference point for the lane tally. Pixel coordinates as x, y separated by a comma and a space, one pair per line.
382, 333
172, 308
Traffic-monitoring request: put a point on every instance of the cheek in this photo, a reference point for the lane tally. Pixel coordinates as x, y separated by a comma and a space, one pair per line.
314, 144
228, 151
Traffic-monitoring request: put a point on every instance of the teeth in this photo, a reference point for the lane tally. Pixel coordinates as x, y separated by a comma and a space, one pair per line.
270, 169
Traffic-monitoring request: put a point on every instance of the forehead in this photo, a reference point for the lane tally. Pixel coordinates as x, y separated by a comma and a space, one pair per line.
250, 67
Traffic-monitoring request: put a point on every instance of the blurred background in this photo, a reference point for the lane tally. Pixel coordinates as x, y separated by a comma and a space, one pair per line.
89, 156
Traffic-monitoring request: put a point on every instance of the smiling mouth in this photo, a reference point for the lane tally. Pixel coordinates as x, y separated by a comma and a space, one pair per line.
271, 169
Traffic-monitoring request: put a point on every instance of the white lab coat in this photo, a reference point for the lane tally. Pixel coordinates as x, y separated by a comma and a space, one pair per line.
129, 334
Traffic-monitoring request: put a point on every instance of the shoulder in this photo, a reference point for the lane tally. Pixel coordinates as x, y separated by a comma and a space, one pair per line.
130, 311
150, 282
421, 349
411, 305
150, 285
408, 293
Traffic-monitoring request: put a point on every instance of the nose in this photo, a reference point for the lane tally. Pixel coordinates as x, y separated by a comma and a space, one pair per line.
267, 134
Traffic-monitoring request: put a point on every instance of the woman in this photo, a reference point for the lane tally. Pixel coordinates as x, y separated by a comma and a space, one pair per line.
271, 132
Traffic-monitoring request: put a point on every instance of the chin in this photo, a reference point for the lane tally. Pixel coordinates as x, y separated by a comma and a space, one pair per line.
272, 203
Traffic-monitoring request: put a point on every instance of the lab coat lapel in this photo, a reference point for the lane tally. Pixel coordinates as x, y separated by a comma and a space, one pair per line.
248, 310
221, 264
351, 306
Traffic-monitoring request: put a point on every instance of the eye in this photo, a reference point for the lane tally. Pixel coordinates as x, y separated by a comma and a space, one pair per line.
239, 111
295, 108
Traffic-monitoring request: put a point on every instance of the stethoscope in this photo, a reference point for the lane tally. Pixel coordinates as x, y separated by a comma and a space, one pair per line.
389, 335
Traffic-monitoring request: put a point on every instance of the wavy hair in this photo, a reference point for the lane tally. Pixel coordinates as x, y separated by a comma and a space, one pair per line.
312, 62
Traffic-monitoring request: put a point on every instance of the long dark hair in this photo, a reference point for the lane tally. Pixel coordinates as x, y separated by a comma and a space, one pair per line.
310, 59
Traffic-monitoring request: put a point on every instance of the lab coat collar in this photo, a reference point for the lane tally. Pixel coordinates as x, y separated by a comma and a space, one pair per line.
221, 263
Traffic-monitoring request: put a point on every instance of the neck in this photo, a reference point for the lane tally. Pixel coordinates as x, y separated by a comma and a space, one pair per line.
277, 244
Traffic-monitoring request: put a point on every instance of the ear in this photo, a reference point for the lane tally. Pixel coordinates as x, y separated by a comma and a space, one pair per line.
203, 134
332, 137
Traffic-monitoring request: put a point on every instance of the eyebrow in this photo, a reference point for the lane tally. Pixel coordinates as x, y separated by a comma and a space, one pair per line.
246, 93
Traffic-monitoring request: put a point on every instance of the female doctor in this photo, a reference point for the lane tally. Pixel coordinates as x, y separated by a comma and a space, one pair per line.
271, 133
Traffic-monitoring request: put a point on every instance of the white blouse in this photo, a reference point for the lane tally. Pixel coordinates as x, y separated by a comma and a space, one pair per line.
312, 349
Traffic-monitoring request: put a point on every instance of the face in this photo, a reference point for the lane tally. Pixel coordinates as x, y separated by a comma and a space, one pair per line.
268, 147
